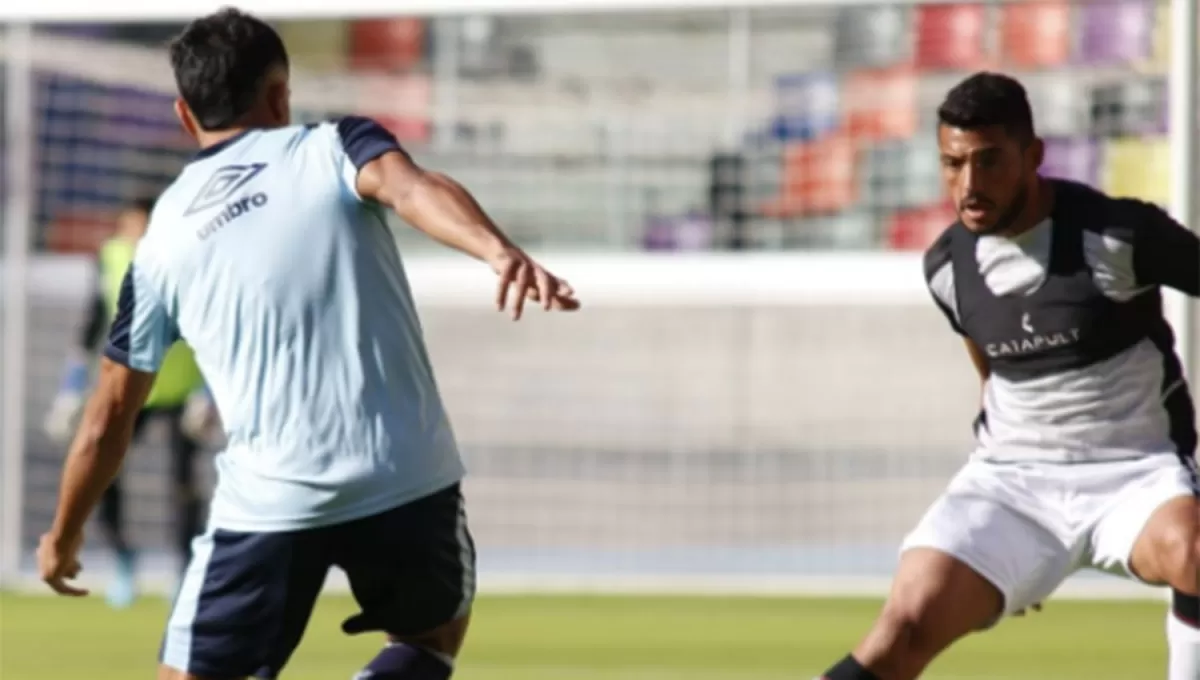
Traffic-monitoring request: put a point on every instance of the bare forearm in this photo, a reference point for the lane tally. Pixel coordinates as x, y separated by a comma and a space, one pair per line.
444, 210
94, 459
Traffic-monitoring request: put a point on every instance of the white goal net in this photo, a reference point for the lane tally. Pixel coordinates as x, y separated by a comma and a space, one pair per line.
759, 392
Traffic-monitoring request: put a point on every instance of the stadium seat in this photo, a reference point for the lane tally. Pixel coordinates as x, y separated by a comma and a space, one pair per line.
1115, 31
1137, 168
872, 37
901, 174
1076, 158
1135, 106
916, 228
333, 37
1160, 38
819, 177
951, 37
79, 232
413, 100
881, 104
806, 106
853, 230
1035, 33
1060, 104
395, 45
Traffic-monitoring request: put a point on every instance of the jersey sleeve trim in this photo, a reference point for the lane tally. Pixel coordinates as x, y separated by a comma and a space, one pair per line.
939, 278
139, 338
364, 140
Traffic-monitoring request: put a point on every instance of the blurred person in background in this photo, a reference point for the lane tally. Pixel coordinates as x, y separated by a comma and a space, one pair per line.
178, 398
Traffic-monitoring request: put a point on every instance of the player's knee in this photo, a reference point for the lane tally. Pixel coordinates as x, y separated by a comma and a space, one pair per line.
446, 639
1179, 557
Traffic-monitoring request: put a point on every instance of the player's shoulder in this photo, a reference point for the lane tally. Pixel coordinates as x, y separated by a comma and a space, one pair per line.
939, 253
1097, 212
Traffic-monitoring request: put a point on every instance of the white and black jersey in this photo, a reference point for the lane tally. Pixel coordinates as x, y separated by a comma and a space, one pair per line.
1069, 315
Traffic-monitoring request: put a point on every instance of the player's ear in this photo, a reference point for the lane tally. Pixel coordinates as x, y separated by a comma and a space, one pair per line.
185, 118
278, 101
1037, 152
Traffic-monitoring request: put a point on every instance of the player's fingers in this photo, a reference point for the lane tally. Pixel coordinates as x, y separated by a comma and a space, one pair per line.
546, 287
565, 304
59, 585
505, 280
565, 290
524, 280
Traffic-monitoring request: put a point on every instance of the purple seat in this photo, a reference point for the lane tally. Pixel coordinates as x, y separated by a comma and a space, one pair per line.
1076, 158
1115, 31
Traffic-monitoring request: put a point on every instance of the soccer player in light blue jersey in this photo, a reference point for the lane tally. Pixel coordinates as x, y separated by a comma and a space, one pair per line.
270, 255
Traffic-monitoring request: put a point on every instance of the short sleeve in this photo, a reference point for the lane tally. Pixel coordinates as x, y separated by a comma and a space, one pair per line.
1165, 253
142, 330
939, 277
359, 141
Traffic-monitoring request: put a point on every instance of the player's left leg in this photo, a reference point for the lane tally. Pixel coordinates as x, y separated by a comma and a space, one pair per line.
1152, 533
244, 604
412, 571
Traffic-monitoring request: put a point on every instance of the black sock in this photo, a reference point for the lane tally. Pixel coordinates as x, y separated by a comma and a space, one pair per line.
1186, 608
849, 669
405, 662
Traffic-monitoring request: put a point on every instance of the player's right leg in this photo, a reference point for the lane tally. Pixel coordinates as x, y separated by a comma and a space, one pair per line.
412, 572
243, 605
970, 560
123, 589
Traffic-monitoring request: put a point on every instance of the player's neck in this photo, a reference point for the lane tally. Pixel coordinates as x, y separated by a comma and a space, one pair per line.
207, 138
1037, 208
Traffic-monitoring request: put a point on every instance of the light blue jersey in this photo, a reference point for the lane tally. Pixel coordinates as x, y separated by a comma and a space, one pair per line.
289, 288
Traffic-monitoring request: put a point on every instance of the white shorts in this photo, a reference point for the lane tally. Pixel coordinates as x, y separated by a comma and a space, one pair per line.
1026, 527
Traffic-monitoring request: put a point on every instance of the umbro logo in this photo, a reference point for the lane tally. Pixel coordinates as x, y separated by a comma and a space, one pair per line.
220, 188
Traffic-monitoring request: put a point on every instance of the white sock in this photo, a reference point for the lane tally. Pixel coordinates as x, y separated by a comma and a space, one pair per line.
1183, 644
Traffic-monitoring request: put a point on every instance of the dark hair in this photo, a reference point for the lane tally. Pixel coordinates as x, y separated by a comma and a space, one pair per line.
987, 99
220, 62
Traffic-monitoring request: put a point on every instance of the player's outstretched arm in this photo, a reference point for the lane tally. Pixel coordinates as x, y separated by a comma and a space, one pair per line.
1166, 253
444, 210
94, 459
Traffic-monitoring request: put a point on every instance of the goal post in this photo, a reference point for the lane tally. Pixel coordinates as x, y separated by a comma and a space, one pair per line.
768, 420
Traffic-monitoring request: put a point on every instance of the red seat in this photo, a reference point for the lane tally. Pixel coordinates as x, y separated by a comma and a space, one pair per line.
1036, 33
950, 37
819, 177
402, 104
916, 228
881, 104
79, 231
386, 44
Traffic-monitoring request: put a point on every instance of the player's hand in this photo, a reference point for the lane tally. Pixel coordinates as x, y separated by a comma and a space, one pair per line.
199, 417
522, 278
60, 420
58, 562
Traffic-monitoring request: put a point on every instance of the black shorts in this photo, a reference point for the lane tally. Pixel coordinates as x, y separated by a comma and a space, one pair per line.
247, 597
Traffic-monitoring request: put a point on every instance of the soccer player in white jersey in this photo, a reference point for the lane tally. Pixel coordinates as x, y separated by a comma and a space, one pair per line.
1087, 431
270, 255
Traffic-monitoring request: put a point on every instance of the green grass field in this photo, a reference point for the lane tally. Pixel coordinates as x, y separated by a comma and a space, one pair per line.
611, 638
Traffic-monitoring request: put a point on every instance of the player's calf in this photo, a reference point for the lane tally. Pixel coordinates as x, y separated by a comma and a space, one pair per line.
935, 600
